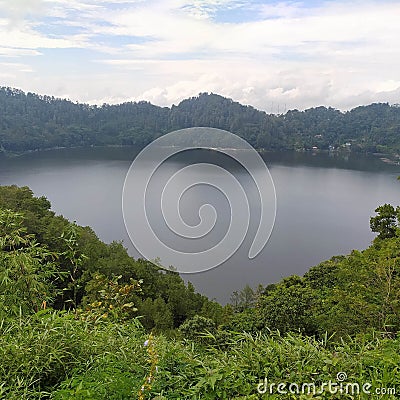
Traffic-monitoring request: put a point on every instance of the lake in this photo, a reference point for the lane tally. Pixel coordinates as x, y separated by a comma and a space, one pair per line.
324, 203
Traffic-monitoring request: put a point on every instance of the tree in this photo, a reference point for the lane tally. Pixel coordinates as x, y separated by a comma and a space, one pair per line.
30, 121
155, 314
27, 270
385, 223
244, 299
366, 294
196, 327
288, 307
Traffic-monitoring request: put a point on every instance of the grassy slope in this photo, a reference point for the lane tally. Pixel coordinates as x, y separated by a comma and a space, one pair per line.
61, 357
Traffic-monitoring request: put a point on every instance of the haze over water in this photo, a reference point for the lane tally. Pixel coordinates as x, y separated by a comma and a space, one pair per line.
323, 205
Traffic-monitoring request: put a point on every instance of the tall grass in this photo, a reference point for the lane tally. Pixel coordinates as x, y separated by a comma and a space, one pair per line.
38, 353
234, 372
56, 356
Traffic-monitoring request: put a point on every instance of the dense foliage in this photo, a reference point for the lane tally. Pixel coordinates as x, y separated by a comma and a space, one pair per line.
67, 358
77, 265
80, 319
346, 295
29, 122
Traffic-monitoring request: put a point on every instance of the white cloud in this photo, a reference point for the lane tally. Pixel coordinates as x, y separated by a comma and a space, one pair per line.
16, 66
16, 10
16, 52
338, 53
28, 39
281, 10
206, 9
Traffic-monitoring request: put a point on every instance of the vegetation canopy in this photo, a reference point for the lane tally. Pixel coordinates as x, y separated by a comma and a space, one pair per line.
31, 122
80, 319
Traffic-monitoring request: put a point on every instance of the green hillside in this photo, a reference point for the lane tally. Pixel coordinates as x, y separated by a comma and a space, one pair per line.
80, 319
31, 122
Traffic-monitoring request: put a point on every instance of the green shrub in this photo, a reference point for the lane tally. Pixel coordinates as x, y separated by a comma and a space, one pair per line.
39, 352
197, 327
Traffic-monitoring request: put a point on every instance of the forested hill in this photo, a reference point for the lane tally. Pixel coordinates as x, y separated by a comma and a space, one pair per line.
30, 122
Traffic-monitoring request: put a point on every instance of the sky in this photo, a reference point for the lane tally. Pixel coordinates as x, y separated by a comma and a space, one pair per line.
274, 55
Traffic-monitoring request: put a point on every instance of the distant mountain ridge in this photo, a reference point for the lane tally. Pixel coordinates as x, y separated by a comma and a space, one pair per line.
31, 122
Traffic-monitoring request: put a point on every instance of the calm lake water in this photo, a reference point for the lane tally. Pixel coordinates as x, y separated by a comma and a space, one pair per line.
324, 204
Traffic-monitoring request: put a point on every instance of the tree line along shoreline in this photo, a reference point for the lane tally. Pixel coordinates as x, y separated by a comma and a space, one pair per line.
30, 122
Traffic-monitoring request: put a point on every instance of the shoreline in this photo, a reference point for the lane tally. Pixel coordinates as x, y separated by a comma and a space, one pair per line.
387, 158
